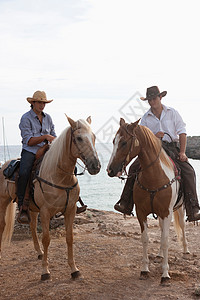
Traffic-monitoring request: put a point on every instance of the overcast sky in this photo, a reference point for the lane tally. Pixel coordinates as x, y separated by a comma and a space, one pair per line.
92, 56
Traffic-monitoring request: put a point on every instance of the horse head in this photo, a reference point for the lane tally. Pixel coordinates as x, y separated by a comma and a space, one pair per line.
83, 144
125, 147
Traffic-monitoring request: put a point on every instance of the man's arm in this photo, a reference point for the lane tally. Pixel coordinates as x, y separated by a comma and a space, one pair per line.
183, 143
39, 139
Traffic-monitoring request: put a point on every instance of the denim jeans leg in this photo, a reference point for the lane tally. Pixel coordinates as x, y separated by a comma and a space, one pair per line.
26, 164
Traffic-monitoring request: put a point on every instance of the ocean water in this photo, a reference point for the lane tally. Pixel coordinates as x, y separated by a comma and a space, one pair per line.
97, 191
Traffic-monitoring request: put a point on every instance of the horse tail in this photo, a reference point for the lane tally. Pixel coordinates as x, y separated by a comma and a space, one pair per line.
177, 225
10, 221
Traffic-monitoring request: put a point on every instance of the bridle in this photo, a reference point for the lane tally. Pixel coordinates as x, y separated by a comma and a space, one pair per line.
66, 189
127, 158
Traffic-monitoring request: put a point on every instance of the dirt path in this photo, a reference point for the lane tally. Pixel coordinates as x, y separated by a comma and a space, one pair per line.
108, 253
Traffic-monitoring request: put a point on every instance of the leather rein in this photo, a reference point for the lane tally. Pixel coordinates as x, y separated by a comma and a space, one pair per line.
139, 170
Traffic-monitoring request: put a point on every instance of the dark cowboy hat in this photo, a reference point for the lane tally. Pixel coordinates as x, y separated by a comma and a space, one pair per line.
153, 92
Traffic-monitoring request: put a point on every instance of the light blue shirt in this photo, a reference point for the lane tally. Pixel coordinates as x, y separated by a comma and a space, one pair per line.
30, 126
170, 122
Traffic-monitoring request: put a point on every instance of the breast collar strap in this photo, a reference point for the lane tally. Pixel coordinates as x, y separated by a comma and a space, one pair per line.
75, 143
66, 189
153, 192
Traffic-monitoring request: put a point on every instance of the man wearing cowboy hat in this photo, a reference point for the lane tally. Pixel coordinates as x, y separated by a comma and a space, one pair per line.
37, 130
167, 124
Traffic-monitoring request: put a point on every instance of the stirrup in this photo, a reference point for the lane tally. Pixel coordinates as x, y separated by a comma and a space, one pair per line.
81, 209
122, 209
23, 216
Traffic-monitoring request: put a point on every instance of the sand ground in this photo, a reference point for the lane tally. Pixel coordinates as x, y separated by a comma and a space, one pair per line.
108, 253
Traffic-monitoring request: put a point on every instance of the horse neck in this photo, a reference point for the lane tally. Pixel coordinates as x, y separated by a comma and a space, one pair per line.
151, 155
61, 168
67, 160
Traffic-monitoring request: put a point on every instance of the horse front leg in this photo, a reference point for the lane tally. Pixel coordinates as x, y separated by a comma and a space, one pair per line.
45, 220
33, 227
69, 219
145, 260
164, 246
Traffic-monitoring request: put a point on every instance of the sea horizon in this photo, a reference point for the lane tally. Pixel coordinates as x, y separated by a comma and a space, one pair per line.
98, 191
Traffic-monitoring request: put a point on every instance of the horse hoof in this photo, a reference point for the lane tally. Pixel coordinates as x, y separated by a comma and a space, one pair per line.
40, 256
144, 275
165, 281
75, 275
46, 276
158, 259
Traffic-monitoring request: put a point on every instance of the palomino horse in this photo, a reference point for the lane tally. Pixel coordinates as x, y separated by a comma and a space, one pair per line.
155, 189
55, 189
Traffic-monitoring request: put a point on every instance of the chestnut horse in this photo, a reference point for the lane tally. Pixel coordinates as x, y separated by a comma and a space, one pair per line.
155, 189
55, 189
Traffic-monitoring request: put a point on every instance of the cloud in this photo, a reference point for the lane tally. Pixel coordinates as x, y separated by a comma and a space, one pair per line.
102, 49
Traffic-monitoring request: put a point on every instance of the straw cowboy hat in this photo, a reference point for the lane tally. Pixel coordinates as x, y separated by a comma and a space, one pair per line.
39, 96
153, 92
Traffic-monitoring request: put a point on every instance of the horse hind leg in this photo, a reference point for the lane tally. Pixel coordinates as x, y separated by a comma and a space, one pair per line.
7, 220
69, 219
2, 226
33, 227
179, 224
159, 257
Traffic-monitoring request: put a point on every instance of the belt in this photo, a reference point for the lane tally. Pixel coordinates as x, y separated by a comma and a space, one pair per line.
171, 144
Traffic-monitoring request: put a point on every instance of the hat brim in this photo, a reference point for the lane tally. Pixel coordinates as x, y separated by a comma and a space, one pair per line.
30, 100
163, 94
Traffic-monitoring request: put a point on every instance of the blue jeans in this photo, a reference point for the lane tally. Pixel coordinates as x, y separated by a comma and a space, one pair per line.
26, 164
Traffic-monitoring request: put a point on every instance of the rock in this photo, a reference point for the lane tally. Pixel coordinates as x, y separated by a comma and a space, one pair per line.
193, 147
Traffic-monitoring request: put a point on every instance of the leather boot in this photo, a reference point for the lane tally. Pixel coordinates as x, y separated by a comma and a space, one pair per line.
82, 208
192, 208
23, 216
126, 203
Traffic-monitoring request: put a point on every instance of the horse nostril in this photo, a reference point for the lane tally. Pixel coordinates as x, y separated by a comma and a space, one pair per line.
110, 173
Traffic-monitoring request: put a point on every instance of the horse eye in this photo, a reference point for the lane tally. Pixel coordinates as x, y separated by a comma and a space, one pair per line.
79, 139
124, 144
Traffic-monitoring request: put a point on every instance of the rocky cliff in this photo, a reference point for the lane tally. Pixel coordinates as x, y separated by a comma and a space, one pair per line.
193, 147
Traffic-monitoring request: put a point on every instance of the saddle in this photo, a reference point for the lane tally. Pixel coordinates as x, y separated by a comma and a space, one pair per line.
177, 172
11, 169
11, 172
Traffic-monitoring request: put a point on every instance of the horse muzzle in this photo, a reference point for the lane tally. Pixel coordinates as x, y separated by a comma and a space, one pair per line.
93, 166
113, 173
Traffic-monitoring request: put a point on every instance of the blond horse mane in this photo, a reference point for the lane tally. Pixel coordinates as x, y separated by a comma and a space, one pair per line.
155, 144
55, 152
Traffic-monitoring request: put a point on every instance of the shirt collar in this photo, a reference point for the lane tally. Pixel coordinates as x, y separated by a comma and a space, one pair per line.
34, 114
165, 108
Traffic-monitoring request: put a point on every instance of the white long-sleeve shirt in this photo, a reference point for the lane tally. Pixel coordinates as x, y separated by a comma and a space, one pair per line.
170, 122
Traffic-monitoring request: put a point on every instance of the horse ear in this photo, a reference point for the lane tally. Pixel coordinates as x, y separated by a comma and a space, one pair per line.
71, 122
135, 124
122, 122
89, 120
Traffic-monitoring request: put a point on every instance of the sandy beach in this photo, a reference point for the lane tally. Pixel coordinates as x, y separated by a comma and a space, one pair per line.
108, 253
